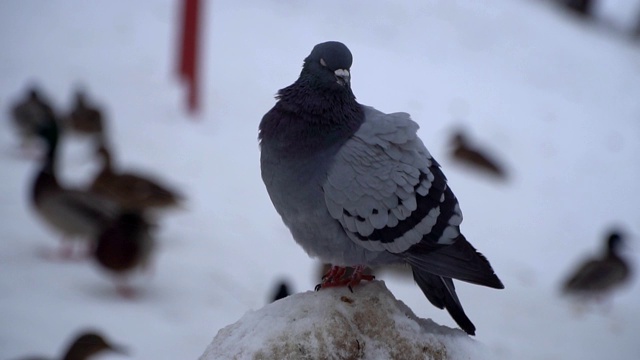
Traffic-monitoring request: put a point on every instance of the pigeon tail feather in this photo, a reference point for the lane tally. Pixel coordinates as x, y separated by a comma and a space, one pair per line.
459, 260
441, 292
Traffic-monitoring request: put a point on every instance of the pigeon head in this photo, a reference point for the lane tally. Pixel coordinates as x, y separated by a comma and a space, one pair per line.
329, 64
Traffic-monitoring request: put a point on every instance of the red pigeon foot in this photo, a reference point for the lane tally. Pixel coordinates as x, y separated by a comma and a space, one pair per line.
335, 277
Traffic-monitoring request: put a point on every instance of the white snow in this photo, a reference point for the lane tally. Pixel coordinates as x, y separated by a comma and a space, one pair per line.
368, 323
556, 98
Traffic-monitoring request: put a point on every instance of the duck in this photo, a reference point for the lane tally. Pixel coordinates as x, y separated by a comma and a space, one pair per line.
465, 153
85, 118
124, 246
75, 214
281, 291
84, 346
131, 190
29, 113
597, 277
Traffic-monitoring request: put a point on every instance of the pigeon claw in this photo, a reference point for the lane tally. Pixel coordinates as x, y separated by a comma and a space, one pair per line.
335, 277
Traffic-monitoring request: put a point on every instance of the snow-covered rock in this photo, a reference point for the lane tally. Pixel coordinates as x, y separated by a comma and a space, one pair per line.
368, 323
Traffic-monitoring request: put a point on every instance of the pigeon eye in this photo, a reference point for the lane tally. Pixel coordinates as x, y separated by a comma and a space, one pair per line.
322, 62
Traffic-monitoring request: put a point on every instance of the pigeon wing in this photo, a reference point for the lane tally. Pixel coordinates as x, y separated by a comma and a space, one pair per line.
387, 191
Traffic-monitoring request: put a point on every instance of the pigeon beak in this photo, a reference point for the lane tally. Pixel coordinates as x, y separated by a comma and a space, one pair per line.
343, 77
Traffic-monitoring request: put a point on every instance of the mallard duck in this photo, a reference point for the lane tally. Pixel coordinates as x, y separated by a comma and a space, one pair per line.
130, 190
85, 118
465, 153
124, 246
595, 277
84, 346
30, 113
73, 213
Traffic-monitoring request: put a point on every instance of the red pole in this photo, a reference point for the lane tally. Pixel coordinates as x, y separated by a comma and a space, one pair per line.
189, 52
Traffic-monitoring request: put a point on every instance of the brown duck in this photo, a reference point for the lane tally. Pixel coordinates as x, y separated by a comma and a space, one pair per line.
85, 118
130, 190
598, 276
465, 153
124, 247
85, 346
75, 214
30, 113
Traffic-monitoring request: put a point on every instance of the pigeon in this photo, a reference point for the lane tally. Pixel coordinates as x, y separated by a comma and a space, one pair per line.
357, 188
465, 153
596, 277
85, 346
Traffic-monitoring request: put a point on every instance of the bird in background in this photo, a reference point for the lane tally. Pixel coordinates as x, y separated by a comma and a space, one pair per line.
124, 248
74, 214
29, 114
131, 190
465, 153
85, 118
85, 346
597, 277
281, 291
357, 187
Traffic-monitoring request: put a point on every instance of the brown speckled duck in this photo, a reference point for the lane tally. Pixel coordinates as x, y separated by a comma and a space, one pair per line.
130, 190
85, 346
85, 118
30, 113
124, 247
598, 276
465, 153
73, 213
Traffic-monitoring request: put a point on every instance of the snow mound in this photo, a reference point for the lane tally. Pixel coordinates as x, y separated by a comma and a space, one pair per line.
368, 323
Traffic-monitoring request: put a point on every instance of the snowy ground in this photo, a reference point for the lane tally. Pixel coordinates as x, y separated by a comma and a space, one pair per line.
557, 99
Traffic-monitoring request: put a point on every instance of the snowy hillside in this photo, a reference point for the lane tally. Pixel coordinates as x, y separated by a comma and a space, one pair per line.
555, 99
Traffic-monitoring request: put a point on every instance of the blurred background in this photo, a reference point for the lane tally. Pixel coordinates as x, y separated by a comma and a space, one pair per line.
548, 92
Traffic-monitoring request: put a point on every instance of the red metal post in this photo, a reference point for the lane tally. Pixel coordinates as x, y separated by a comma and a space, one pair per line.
189, 52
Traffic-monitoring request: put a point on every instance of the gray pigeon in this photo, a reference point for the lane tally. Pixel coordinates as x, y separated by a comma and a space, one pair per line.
357, 187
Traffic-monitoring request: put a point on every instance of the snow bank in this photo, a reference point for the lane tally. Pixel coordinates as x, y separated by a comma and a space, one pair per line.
338, 324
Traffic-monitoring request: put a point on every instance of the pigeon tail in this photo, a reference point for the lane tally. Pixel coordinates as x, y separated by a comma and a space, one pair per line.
459, 260
442, 294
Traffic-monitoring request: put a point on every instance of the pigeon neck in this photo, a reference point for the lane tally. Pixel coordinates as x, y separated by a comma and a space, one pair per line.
309, 95
312, 119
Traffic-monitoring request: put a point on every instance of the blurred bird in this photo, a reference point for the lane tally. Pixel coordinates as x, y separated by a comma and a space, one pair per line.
596, 277
130, 190
85, 118
281, 291
75, 214
581, 8
465, 153
124, 246
29, 114
85, 346
357, 187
